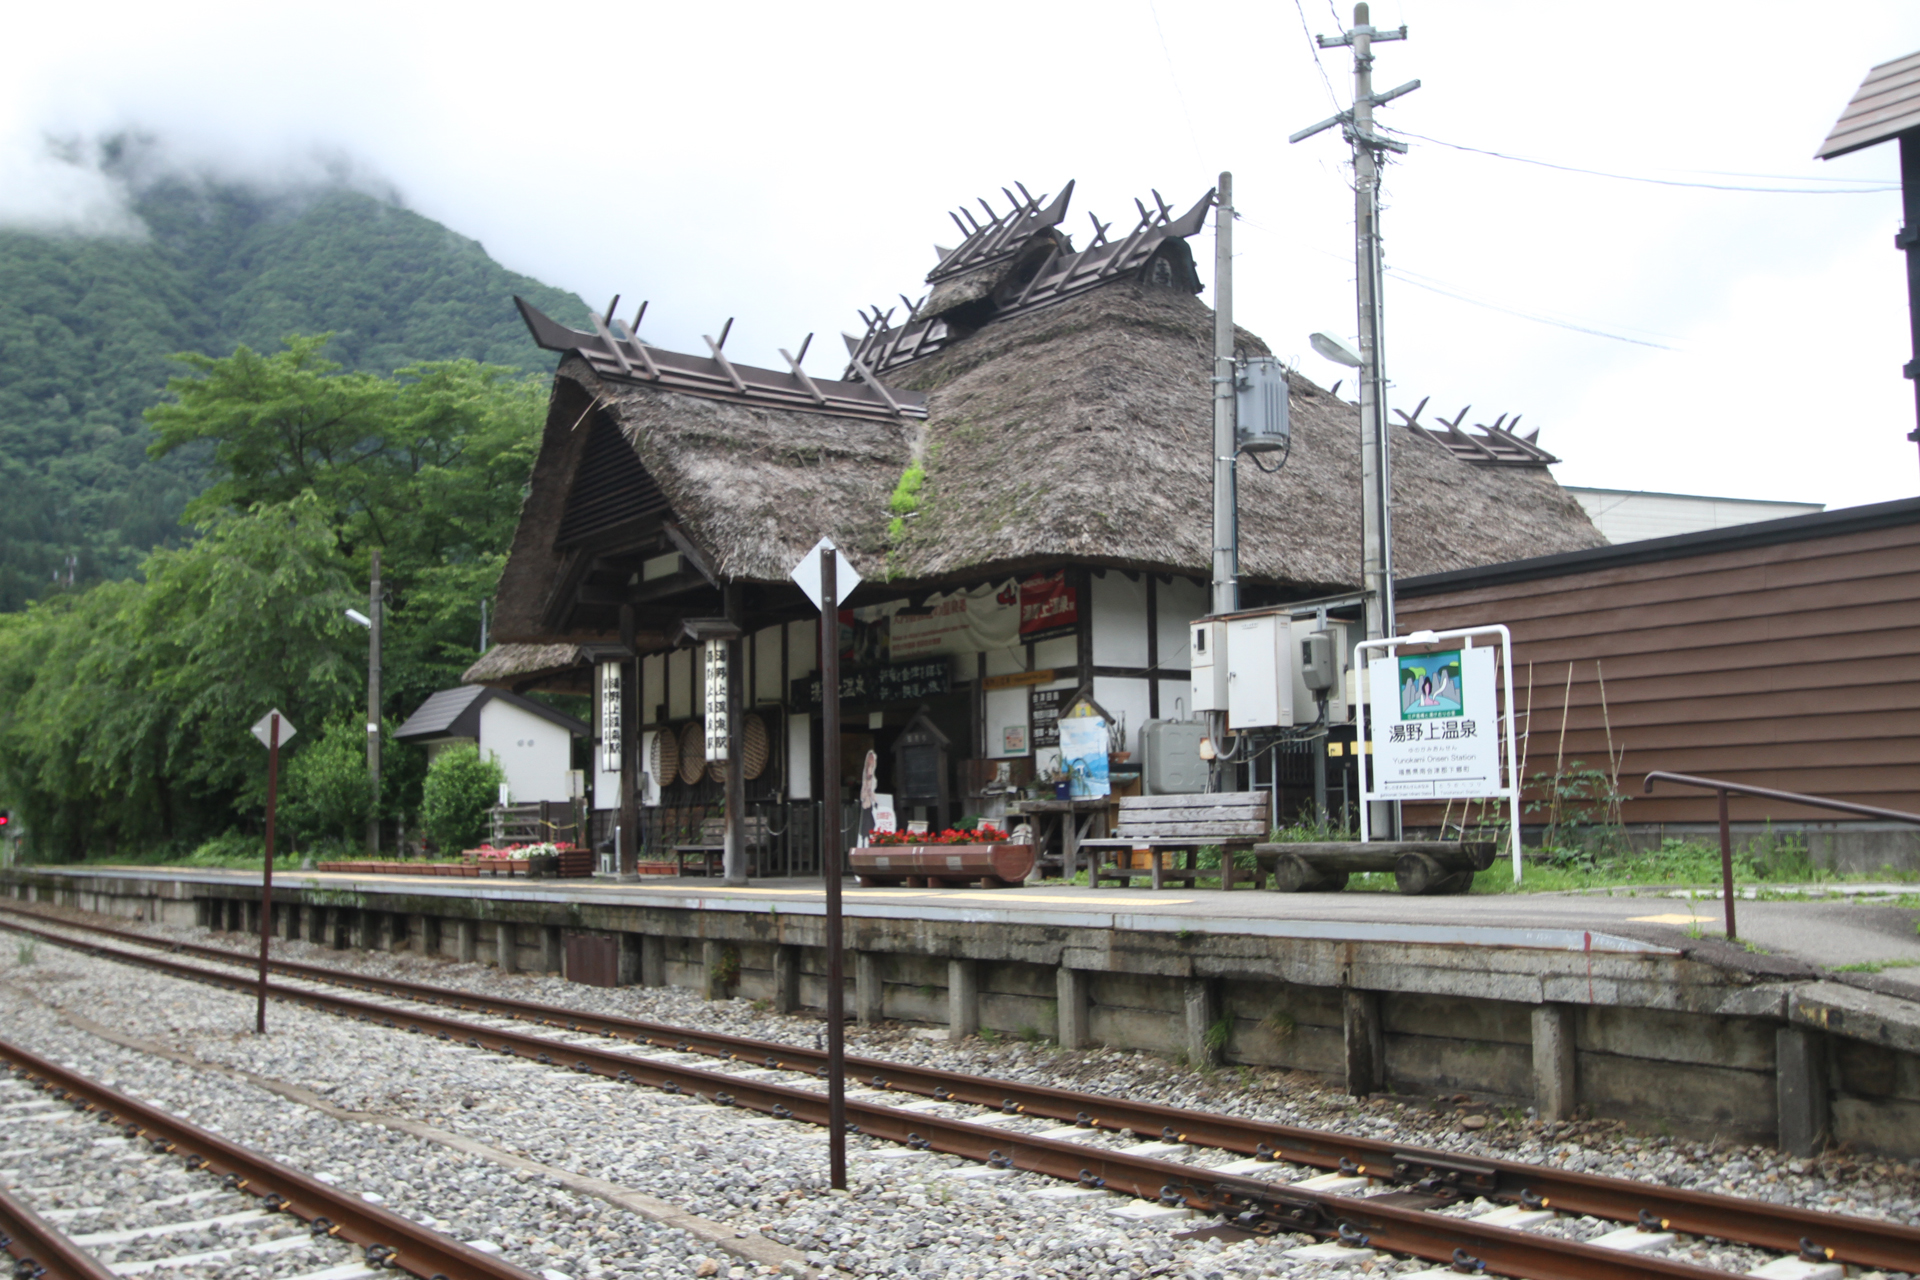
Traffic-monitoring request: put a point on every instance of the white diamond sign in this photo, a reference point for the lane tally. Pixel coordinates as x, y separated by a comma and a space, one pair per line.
807, 574
264, 729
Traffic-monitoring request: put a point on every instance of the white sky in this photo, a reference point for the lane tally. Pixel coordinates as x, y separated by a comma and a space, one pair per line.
787, 163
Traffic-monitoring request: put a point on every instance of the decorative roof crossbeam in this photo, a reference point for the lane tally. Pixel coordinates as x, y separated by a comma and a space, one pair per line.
622, 357
1499, 445
1065, 273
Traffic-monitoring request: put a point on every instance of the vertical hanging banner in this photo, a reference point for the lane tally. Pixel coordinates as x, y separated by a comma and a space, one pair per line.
610, 725
717, 675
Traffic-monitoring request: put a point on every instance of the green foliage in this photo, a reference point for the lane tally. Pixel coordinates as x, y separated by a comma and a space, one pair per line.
459, 789
1675, 863
1217, 1034
88, 324
324, 794
905, 500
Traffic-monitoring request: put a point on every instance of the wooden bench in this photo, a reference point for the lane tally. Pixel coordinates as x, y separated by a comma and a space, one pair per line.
1418, 866
1159, 825
710, 850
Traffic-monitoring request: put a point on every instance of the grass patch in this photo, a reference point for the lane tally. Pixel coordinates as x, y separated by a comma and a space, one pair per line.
1875, 966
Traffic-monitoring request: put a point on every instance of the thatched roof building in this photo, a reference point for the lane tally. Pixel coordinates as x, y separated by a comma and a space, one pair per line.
1058, 406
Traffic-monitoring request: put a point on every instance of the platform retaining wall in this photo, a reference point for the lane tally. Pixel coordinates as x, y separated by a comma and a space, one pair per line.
1664, 1042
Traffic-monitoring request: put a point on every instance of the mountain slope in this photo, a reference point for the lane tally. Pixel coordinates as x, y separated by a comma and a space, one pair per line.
87, 325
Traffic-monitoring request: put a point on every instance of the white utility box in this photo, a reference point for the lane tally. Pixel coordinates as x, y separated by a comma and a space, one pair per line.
1260, 677
1207, 660
1170, 762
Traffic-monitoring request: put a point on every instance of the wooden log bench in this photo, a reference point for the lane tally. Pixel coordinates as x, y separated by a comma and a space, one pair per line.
942, 866
1151, 827
1418, 866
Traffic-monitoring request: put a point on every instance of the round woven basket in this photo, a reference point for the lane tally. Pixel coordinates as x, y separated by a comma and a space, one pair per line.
693, 751
666, 757
754, 744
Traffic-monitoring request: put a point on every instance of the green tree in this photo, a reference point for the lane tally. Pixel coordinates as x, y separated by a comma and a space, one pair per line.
459, 789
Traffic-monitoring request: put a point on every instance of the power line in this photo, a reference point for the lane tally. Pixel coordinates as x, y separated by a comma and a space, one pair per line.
1314, 48
1661, 182
1419, 282
1193, 134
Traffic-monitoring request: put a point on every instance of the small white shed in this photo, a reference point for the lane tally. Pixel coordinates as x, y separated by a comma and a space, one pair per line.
532, 741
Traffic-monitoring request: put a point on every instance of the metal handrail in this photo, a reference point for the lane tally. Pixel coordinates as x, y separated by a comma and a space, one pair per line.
1722, 786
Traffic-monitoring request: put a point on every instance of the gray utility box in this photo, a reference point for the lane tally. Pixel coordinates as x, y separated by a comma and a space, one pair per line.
1263, 421
1170, 762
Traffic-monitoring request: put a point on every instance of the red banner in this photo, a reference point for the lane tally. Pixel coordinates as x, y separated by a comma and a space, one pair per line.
1048, 607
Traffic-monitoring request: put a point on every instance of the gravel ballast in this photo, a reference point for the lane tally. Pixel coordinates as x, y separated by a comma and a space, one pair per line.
910, 1213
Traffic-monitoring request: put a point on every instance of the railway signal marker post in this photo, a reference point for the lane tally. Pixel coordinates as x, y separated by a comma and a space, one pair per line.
272, 729
827, 583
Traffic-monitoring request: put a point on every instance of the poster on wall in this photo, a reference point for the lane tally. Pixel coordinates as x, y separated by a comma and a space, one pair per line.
1436, 732
1045, 714
1083, 754
1049, 608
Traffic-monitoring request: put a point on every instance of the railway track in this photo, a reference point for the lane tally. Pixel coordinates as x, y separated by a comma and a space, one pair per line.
220, 1202
1095, 1142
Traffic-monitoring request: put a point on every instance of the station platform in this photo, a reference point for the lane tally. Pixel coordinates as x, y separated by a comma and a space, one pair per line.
1628, 1002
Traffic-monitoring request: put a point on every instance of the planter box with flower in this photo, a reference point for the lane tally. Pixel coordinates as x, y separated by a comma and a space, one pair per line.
533, 860
942, 860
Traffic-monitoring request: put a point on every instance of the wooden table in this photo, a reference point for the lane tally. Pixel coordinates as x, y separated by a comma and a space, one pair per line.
1082, 818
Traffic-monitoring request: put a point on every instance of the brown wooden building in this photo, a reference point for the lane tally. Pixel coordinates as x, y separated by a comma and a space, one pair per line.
1783, 654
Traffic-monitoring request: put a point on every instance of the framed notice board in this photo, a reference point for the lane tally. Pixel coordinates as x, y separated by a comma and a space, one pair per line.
920, 765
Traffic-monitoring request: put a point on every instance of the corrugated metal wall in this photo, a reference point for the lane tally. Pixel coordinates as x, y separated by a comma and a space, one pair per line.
1794, 666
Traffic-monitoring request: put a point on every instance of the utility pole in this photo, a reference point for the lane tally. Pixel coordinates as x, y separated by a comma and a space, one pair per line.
373, 708
1226, 498
1376, 469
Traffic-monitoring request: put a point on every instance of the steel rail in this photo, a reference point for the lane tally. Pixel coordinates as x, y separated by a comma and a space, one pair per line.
1253, 1205
386, 1238
1444, 1176
40, 1251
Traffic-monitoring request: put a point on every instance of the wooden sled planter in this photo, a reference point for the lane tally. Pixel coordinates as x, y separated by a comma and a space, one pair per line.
1418, 866
942, 866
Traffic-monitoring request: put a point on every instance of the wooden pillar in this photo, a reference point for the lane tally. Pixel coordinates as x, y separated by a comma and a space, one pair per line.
629, 819
1554, 1096
711, 986
786, 979
1071, 986
963, 999
1365, 1045
627, 967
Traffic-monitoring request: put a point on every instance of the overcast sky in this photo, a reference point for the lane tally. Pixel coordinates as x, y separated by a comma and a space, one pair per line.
788, 163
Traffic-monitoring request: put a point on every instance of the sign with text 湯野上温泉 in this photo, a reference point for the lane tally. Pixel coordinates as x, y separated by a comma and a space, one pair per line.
1434, 719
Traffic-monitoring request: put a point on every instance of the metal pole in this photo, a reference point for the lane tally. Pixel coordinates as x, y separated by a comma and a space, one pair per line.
373, 708
266, 880
734, 860
1726, 864
830, 870
1909, 241
1226, 551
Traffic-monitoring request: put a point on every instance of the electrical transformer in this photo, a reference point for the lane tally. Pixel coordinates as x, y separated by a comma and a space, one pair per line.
1262, 413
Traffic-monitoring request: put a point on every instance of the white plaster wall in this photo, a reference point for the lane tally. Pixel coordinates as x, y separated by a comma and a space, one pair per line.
766, 666
1063, 651
680, 684
1124, 697
800, 757
1176, 700
1119, 620
1180, 601
1006, 707
534, 752
653, 687
1004, 662
803, 649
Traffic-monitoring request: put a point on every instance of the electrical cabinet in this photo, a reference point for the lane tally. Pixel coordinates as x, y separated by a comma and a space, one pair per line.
1321, 660
1259, 660
1262, 414
1207, 660
1170, 762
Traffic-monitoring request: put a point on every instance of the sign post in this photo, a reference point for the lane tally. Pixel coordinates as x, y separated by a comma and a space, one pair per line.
820, 575
1435, 722
272, 729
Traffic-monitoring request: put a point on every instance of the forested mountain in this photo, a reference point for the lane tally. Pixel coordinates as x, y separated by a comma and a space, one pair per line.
87, 325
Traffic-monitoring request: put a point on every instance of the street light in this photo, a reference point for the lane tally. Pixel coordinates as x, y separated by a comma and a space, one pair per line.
354, 615
1336, 350
372, 624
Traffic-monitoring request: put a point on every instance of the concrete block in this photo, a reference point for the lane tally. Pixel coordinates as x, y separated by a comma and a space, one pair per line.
1799, 1269
1364, 1042
1067, 1195
1801, 1075
1453, 1017
712, 953
1246, 1166
1554, 1060
1072, 986
869, 995
505, 947
1333, 1254
552, 949
786, 979
1333, 1184
1633, 1240
387, 935
1690, 1098
313, 927
360, 926
1514, 1216
1147, 1211
466, 941
963, 998
1426, 1064
1201, 1001
653, 960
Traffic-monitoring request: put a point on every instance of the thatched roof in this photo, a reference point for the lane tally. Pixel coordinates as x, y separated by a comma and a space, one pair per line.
513, 666
1080, 432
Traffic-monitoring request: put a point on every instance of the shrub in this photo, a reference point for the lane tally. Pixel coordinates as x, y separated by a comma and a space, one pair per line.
326, 795
459, 789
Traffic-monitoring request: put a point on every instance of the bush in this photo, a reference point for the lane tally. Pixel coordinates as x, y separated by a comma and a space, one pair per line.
324, 792
459, 790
